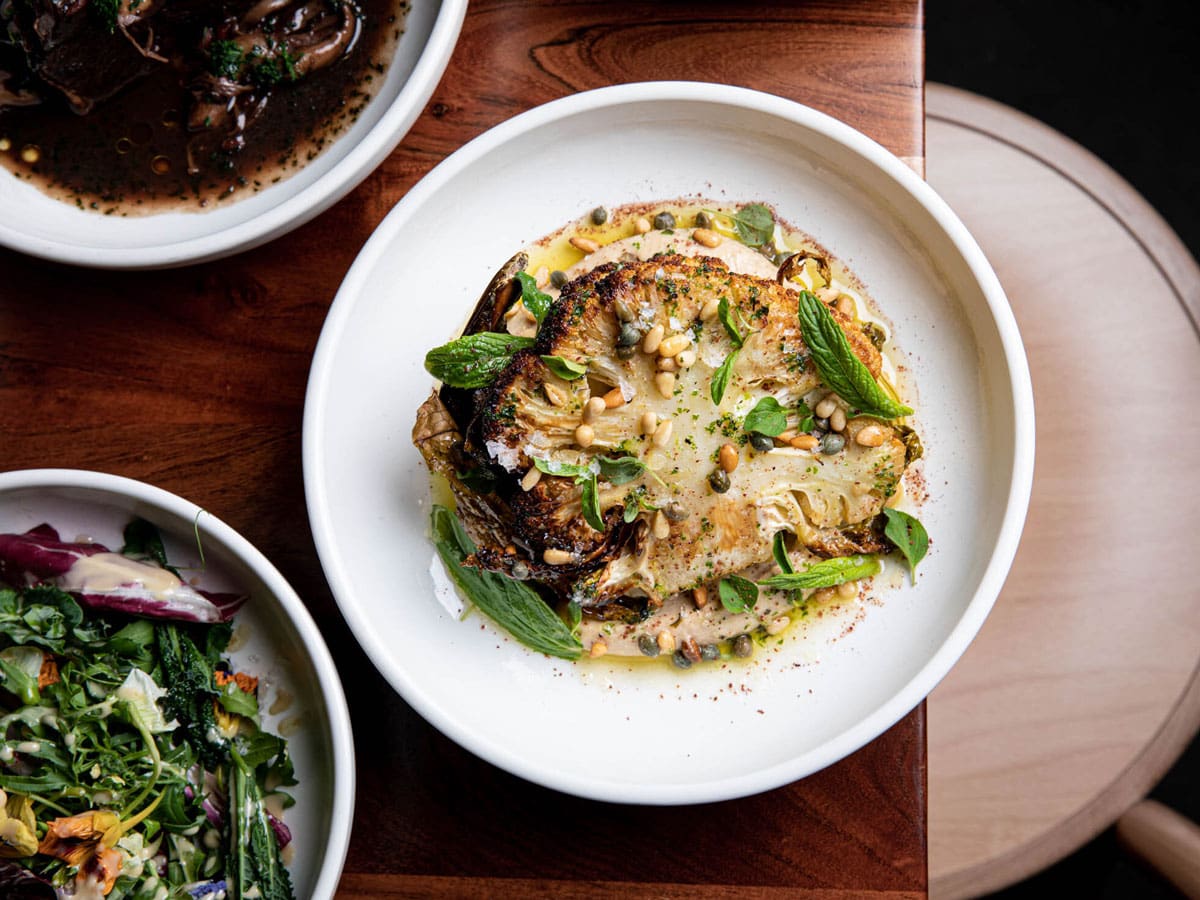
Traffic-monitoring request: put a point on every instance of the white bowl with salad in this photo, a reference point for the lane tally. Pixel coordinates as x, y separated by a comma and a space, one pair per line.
172, 722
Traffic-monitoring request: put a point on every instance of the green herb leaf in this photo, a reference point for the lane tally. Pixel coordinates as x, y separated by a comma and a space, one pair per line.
726, 315
479, 480
620, 470
826, 573
767, 418
474, 361
632, 508
575, 614
511, 604
779, 551
737, 594
839, 368
591, 502
807, 419
561, 469
238, 702
720, 379
909, 536
19, 668
565, 369
754, 225
535, 301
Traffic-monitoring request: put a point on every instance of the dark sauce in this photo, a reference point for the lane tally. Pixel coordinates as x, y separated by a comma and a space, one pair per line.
129, 155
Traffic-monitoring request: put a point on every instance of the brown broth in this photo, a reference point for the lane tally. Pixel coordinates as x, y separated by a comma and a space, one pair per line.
129, 155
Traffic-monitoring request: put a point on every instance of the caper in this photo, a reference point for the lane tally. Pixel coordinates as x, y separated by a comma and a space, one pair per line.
832, 443
648, 645
709, 652
821, 423
743, 646
703, 220
599, 215
558, 278
681, 661
875, 334
664, 221
762, 442
627, 352
520, 570
675, 511
629, 335
719, 480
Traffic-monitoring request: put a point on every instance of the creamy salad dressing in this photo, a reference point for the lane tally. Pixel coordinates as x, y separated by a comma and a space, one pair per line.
104, 572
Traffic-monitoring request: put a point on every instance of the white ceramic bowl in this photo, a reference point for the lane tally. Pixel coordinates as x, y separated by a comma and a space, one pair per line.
281, 642
649, 734
34, 223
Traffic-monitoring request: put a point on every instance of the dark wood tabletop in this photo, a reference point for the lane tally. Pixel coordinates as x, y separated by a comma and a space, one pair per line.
194, 380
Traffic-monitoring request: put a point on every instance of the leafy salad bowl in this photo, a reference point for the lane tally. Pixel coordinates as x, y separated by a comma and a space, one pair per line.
274, 639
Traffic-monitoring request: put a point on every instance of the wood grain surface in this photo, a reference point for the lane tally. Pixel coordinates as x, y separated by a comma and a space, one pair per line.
1083, 686
194, 380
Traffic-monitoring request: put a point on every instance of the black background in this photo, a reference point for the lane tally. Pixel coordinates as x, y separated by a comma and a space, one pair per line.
1123, 80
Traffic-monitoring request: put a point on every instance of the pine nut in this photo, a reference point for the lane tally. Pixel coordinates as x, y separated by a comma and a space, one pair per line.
786, 436
614, 398
700, 597
667, 364
585, 245
706, 237
674, 345
585, 436
665, 641
649, 423
599, 648
847, 589
837, 420
641, 225
652, 339
686, 359
804, 442
662, 433
662, 526
827, 295
775, 626
556, 395
825, 408
532, 477
593, 408
709, 311
552, 556
871, 436
727, 456
665, 382
542, 277
845, 305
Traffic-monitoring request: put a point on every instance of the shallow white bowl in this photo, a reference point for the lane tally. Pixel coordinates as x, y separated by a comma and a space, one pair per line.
281, 642
34, 223
650, 734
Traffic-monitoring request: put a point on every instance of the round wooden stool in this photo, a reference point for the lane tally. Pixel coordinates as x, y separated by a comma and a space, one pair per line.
1083, 686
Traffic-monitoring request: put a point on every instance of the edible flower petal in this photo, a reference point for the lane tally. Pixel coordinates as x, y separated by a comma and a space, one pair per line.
18, 827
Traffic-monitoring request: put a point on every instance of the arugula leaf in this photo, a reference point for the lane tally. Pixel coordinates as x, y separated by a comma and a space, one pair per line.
737, 594
726, 315
767, 418
754, 225
620, 470
474, 360
566, 369
562, 469
511, 604
720, 379
909, 536
535, 301
238, 702
19, 668
779, 551
590, 501
839, 368
826, 573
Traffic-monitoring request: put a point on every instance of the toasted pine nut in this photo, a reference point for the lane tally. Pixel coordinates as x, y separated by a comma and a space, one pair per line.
706, 237
700, 597
686, 359
823, 595
542, 276
847, 589
520, 322
837, 420
585, 436
614, 398
532, 477
710, 309
599, 648
593, 408
652, 339
775, 626
667, 364
827, 295
665, 641
665, 382
662, 433
641, 225
662, 526
871, 436
804, 442
649, 422
586, 245
674, 345
552, 556
556, 395
727, 456
825, 408
786, 436
845, 305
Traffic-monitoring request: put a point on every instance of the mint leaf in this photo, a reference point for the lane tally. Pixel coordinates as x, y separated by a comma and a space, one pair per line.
474, 361
826, 573
566, 369
754, 225
720, 379
725, 314
535, 301
620, 470
562, 469
779, 551
591, 502
839, 368
737, 594
767, 418
909, 536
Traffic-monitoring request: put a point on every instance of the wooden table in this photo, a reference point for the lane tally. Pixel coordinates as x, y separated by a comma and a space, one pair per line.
194, 381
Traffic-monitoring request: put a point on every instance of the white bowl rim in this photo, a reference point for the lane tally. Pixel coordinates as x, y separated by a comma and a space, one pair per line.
909, 695
362, 159
341, 735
